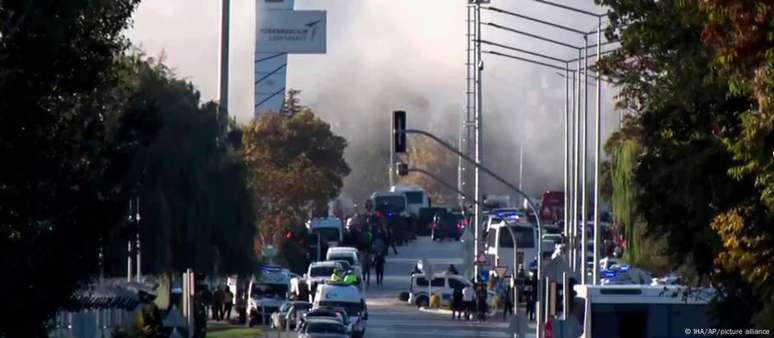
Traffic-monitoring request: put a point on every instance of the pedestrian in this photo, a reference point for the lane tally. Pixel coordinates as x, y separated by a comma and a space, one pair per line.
206, 299
507, 301
451, 270
467, 300
367, 267
379, 267
217, 303
228, 303
457, 304
481, 302
530, 296
378, 247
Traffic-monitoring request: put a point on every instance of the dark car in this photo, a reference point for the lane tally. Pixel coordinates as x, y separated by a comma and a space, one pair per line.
445, 226
424, 222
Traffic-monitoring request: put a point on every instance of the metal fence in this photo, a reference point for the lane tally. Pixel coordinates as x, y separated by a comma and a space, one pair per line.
96, 323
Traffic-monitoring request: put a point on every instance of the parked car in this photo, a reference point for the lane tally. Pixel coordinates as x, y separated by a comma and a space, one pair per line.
445, 226
289, 314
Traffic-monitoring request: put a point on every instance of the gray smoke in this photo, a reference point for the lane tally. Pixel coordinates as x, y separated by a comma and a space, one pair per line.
385, 55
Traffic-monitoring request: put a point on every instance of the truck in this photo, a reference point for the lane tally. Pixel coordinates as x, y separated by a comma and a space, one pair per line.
266, 293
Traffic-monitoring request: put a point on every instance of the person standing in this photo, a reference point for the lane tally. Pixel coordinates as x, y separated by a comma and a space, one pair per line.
207, 300
530, 295
379, 267
457, 304
481, 302
228, 303
217, 304
367, 267
378, 247
467, 300
507, 301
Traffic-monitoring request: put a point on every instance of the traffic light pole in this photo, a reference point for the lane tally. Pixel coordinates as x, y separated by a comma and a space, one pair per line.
442, 182
499, 179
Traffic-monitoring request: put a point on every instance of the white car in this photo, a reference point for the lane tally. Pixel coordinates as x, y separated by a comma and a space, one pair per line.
319, 273
344, 296
267, 293
443, 284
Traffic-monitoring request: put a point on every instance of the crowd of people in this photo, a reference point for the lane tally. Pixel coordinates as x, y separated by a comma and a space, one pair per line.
219, 302
472, 301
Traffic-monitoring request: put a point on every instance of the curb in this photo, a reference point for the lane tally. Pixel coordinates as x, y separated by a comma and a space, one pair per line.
439, 311
447, 312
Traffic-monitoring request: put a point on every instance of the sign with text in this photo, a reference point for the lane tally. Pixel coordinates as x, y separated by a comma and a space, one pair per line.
302, 32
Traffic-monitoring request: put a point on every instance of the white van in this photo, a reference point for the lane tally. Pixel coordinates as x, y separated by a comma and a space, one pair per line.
499, 242
443, 285
416, 198
329, 229
267, 293
391, 202
344, 296
607, 311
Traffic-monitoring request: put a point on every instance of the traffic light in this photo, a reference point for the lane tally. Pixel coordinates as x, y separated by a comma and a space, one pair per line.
399, 130
401, 168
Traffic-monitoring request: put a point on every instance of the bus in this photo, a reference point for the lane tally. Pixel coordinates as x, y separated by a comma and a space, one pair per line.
416, 198
499, 241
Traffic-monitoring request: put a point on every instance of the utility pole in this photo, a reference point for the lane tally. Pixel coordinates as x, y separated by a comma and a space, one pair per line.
584, 136
597, 136
224, 48
129, 247
521, 165
138, 251
478, 64
566, 147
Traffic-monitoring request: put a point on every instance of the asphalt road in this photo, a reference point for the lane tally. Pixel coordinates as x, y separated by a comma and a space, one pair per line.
390, 318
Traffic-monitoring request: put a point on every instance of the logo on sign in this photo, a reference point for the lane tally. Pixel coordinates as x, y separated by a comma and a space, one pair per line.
306, 33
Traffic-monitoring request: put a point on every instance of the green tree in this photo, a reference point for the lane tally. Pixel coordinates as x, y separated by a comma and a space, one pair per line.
740, 34
296, 166
65, 150
197, 209
687, 173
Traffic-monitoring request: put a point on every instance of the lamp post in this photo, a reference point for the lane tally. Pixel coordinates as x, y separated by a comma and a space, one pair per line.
576, 113
597, 136
574, 173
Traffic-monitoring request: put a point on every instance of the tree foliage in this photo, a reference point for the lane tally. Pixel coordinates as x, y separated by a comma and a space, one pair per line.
296, 167
65, 150
196, 206
695, 75
424, 153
